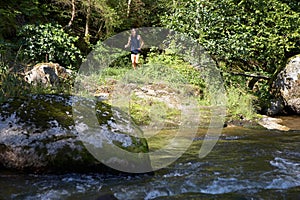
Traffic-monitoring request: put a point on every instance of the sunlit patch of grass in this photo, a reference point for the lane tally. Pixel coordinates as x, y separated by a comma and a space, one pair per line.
240, 104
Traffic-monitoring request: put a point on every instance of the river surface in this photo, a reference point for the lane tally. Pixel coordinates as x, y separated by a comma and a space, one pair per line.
244, 164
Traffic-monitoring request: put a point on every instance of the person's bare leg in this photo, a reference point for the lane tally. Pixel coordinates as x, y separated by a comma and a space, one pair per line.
133, 61
136, 59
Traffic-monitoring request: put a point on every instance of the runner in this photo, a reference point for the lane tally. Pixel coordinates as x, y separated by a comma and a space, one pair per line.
136, 43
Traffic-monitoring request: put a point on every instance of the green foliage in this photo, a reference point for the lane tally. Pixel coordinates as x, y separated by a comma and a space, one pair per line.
116, 63
175, 62
16, 12
13, 85
140, 12
3, 65
50, 43
244, 36
112, 73
7, 55
106, 15
240, 103
293, 4
249, 35
104, 56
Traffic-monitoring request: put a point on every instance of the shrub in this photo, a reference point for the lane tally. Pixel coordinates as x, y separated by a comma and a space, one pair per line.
50, 43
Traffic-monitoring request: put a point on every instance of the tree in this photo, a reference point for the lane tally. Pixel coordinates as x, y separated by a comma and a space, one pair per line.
16, 13
247, 35
96, 17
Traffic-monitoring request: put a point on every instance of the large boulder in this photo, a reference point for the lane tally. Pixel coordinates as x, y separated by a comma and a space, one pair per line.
46, 73
38, 134
288, 82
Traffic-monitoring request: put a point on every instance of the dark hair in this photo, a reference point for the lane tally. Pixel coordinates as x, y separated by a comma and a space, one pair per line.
134, 30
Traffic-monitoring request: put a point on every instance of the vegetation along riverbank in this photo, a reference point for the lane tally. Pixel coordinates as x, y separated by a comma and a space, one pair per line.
253, 45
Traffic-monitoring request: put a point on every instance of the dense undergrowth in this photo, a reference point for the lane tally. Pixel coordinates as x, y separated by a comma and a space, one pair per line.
156, 68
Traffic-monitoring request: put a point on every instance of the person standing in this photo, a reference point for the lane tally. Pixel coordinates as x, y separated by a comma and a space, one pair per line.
136, 43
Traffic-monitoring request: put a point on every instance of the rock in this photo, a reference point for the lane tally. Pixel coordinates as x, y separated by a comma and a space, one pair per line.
294, 105
46, 73
275, 108
38, 134
272, 123
288, 82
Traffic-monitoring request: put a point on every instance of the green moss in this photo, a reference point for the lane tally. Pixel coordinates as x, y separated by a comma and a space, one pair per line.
38, 111
139, 145
65, 158
103, 112
41, 111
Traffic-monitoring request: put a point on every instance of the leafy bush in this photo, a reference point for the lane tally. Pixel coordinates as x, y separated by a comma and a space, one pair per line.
252, 35
50, 43
175, 62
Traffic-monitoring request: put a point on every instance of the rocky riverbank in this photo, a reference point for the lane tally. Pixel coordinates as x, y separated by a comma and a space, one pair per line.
38, 134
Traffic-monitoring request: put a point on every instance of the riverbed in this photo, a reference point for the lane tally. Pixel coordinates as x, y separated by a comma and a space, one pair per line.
244, 164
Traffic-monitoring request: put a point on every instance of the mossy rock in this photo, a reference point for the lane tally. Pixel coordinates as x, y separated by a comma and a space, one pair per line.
38, 134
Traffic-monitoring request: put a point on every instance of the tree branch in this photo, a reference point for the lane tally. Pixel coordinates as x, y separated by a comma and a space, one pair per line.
250, 75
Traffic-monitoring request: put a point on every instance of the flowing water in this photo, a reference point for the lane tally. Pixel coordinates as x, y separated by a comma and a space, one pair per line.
244, 164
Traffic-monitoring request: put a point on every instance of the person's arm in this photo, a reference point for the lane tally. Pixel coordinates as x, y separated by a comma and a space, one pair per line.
141, 42
127, 42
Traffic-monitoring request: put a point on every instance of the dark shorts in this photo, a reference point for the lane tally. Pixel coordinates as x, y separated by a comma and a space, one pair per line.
135, 52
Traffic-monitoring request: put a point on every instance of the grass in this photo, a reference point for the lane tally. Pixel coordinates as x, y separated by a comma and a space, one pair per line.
147, 111
170, 69
240, 103
112, 73
158, 69
13, 85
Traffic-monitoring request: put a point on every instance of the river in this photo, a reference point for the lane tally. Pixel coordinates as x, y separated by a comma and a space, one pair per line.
244, 164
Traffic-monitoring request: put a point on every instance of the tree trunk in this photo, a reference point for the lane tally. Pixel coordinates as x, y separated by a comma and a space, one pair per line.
72, 15
88, 16
128, 7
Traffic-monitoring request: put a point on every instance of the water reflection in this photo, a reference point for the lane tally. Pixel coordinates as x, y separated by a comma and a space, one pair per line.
293, 122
